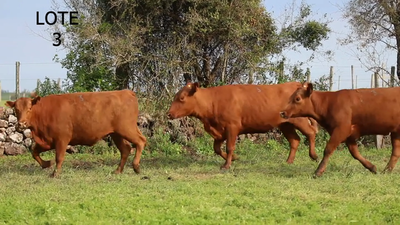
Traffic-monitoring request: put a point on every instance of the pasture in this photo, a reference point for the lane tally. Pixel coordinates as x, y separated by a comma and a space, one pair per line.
189, 188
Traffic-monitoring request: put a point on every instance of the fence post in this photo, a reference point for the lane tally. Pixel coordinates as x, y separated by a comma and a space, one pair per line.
378, 138
376, 80
37, 86
308, 74
392, 72
0, 92
17, 64
331, 78
352, 77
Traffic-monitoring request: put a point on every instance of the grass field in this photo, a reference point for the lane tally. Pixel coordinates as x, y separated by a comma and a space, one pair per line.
260, 188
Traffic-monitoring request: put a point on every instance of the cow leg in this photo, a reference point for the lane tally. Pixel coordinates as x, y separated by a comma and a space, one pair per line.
294, 140
36, 155
61, 149
218, 151
353, 148
232, 133
395, 137
338, 136
124, 148
307, 130
136, 137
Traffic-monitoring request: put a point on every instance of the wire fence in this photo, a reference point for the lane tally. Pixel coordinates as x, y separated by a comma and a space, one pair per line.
32, 72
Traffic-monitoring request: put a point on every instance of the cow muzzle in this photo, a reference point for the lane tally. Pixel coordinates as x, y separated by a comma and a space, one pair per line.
170, 116
284, 115
22, 125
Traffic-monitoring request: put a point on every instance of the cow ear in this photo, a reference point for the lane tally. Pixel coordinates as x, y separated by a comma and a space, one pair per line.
193, 88
36, 100
10, 104
309, 89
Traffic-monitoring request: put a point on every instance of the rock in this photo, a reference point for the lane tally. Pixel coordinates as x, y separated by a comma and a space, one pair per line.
16, 137
3, 123
27, 133
2, 112
12, 119
10, 130
9, 111
28, 142
3, 137
2, 130
14, 149
71, 149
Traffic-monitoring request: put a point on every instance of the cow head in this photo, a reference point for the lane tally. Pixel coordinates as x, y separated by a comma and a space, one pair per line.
299, 102
184, 102
23, 107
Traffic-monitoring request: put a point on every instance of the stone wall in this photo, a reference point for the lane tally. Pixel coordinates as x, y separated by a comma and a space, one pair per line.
13, 141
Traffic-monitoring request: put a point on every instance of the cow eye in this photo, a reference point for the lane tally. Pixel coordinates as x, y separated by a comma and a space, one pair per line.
297, 99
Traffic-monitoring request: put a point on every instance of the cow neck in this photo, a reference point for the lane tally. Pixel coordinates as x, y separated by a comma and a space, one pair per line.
203, 108
320, 101
32, 117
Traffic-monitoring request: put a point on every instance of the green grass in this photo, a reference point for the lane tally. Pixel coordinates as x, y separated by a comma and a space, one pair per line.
260, 188
2, 102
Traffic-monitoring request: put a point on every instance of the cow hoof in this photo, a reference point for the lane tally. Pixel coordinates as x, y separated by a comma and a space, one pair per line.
47, 164
316, 175
117, 172
136, 169
55, 174
314, 158
289, 161
224, 170
373, 170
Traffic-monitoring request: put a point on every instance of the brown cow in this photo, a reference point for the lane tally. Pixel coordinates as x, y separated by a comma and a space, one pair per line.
230, 110
348, 115
81, 119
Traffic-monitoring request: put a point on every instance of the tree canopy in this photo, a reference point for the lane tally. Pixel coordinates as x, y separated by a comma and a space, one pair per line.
375, 29
149, 45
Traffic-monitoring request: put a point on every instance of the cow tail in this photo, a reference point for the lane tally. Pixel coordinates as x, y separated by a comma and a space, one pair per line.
314, 124
141, 136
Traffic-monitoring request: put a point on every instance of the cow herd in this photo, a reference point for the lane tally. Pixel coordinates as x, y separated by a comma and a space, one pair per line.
57, 121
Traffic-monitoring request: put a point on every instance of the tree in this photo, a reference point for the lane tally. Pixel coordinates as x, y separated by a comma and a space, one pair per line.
48, 87
375, 29
298, 31
150, 44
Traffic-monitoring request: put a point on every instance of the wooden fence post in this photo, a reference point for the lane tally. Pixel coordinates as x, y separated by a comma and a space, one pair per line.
378, 138
352, 77
37, 86
17, 64
392, 72
308, 74
331, 78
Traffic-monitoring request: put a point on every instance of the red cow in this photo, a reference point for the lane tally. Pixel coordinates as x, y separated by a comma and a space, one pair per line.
349, 114
81, 119
230, 110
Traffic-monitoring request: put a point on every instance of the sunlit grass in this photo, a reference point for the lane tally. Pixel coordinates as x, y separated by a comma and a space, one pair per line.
260, 188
